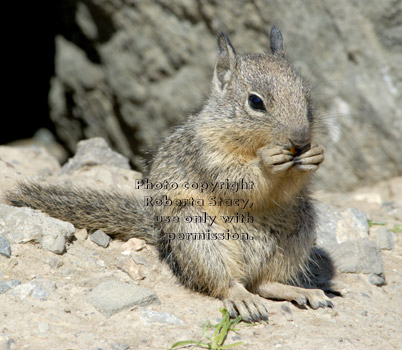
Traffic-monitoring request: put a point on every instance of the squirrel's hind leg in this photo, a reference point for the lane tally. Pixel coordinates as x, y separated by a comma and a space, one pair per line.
274, 290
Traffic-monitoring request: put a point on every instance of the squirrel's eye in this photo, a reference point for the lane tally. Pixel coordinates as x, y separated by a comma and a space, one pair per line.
256, 103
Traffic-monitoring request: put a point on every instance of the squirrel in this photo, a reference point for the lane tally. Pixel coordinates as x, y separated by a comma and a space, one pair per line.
256, 128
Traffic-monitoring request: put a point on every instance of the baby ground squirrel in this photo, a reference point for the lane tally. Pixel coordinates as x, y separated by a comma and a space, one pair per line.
258, 126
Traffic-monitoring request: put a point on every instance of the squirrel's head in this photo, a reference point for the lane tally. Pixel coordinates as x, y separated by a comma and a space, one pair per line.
262, 96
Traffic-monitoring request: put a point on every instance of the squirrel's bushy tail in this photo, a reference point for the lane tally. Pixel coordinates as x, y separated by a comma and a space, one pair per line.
119, 215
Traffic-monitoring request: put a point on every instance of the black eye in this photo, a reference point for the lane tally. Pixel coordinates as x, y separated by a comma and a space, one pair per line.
256, 103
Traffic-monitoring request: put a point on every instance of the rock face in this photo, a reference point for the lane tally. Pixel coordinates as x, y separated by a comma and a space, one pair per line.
128, 70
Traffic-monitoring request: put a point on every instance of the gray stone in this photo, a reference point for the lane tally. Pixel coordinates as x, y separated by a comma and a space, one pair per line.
92, 152
361, 256
21, 225
8, 284
384, 238
22, 291
42, 288
354, 225
111, 297
327, 222
55, 263
334, 227
100, 238
150, 316
343, 235
5, 248
376, 280
119, 346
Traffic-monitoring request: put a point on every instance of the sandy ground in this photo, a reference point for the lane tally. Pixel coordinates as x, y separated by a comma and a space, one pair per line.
365, 317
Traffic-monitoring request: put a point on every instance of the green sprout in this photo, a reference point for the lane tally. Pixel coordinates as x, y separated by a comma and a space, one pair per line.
372, 223
218, 337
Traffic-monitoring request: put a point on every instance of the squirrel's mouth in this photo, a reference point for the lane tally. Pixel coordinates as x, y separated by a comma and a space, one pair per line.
297, 151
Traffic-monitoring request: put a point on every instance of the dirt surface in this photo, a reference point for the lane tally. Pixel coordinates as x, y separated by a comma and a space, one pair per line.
365, 317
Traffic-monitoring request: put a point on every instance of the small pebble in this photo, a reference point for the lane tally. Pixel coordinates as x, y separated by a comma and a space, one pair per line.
55, 263
150, 316
376, 280
5, 248
100, 238
7, 285
81, 234
120, 346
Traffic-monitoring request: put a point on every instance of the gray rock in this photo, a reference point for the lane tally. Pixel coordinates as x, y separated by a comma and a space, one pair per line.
8, 284
150, 316
384, 237
100, 238
55, 263
354, 225
327, 222
119, 346
111, 297
5, 248
21, 225
334, 227
94, 151
343, 235
148, 69
42, 288
361, 256
22, 291
376, 280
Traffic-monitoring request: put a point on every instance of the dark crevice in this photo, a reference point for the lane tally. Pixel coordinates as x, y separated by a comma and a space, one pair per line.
72, 32
30, 57
129, 133
103, 22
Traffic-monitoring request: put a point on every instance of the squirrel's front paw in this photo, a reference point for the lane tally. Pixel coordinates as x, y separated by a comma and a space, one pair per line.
275, 159
309, 160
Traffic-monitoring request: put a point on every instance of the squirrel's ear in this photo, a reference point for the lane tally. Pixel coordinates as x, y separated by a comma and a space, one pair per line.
276, 42
226, 61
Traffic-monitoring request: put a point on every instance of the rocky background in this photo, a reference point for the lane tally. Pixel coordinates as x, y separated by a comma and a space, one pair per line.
129, 70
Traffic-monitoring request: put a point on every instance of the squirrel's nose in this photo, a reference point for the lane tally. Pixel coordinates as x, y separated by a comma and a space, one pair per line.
300, 137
